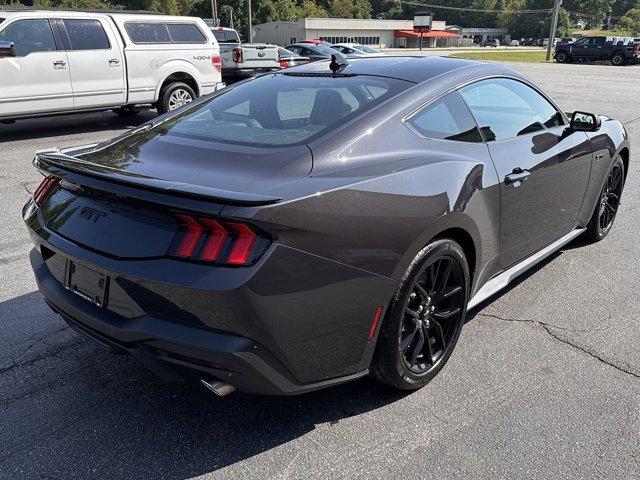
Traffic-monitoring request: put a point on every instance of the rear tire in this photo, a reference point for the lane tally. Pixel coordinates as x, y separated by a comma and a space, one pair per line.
175, 95
423, 321
605, 211
618, 60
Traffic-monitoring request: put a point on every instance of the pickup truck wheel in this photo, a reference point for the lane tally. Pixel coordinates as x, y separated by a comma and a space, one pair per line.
618, 59
562, 57
175, 95
126, 112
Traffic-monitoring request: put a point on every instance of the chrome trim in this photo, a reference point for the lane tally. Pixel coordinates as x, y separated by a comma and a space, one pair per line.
142, 89
90, 94
503, 279
36, 98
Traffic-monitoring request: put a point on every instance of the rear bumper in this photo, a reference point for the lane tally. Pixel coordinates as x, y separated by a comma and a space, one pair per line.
173, 351
290, 323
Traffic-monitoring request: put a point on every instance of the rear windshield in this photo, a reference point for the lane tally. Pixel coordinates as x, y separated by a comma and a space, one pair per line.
278, 110
226, 36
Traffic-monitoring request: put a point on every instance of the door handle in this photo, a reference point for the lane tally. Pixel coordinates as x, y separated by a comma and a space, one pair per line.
114, 62
58, 64
516, 177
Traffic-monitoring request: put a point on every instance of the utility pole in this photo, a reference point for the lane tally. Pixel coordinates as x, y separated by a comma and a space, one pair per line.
214, 12
554, 27
249, 26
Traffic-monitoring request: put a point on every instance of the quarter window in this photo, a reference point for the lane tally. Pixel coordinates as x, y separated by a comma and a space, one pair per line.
164, 33
447, 119
86, 35
29, 36
506, 108
185, 33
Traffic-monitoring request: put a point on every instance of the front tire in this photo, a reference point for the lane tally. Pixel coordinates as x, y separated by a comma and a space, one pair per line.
423, 322
562, 56
604, 214
175, 95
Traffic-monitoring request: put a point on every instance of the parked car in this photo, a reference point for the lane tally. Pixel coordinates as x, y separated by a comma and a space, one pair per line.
314, 52
62, 62
357, 50
493, 42
514, 43
290, 59
244, 60
318, 224
595, 48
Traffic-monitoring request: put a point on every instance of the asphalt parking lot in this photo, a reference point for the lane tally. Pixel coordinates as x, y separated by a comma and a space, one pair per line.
544, 383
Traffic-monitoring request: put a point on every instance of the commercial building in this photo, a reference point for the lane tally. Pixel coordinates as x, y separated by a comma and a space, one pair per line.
374, 32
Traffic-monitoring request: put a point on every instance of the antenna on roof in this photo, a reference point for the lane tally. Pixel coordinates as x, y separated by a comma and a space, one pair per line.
338, 62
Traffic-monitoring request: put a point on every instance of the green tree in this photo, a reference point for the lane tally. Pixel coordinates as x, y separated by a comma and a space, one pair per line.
631, 21
309, 8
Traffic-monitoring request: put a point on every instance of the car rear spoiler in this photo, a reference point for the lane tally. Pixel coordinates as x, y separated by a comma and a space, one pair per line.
76, 170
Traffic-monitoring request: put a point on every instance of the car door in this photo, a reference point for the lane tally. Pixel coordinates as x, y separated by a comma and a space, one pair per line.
543, 167
95, 61
37, 79
580, 48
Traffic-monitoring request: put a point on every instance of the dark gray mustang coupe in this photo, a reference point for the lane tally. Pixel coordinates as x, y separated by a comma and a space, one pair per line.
311, 226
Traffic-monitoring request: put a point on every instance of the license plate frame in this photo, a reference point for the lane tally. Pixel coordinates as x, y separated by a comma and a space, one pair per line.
87, 283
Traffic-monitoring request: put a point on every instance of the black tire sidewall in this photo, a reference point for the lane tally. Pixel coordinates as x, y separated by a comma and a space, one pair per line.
562, 57
621, 57
165, 95
388, 356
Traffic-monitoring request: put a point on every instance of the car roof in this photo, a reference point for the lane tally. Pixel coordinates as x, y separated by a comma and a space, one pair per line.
412, 69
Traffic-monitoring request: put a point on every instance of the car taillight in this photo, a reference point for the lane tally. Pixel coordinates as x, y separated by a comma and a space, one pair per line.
209, 240
236, 56
284, 63
44, 189
216, 61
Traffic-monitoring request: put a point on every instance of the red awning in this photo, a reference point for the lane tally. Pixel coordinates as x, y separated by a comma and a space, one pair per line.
431, 34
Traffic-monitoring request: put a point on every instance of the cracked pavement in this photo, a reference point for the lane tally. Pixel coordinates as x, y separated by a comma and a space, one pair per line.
543, 383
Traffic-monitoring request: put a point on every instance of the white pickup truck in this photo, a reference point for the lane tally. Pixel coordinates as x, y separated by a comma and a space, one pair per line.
57, 62
243, 60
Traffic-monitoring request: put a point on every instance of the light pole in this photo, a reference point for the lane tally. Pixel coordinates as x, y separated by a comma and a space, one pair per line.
214, 12
250, 29
554, 27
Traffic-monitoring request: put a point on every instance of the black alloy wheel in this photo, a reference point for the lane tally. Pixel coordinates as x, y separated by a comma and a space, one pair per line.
607, 207
424, 321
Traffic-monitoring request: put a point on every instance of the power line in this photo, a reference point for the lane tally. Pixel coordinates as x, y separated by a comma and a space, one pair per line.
464, 9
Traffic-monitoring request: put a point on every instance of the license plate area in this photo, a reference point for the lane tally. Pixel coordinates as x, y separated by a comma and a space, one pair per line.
87, 283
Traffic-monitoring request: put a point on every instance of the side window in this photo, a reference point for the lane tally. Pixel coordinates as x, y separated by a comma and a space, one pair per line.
29, 36
148, 32
86, 35
185, 33
582, 41
506, 108
447, 119
599, 41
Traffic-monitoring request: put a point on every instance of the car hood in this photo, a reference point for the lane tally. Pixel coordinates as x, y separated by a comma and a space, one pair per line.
146, 155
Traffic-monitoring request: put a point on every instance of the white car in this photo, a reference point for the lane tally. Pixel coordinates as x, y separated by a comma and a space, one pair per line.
64, 62
357, 50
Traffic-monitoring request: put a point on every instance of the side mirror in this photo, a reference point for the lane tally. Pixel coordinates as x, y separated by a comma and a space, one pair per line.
584, 122
7, 49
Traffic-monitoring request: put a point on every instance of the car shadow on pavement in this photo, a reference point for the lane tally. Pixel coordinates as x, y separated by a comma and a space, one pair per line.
30, 129
82, 411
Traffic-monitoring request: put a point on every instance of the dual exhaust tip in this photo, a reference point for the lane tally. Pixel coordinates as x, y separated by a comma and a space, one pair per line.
216, 386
